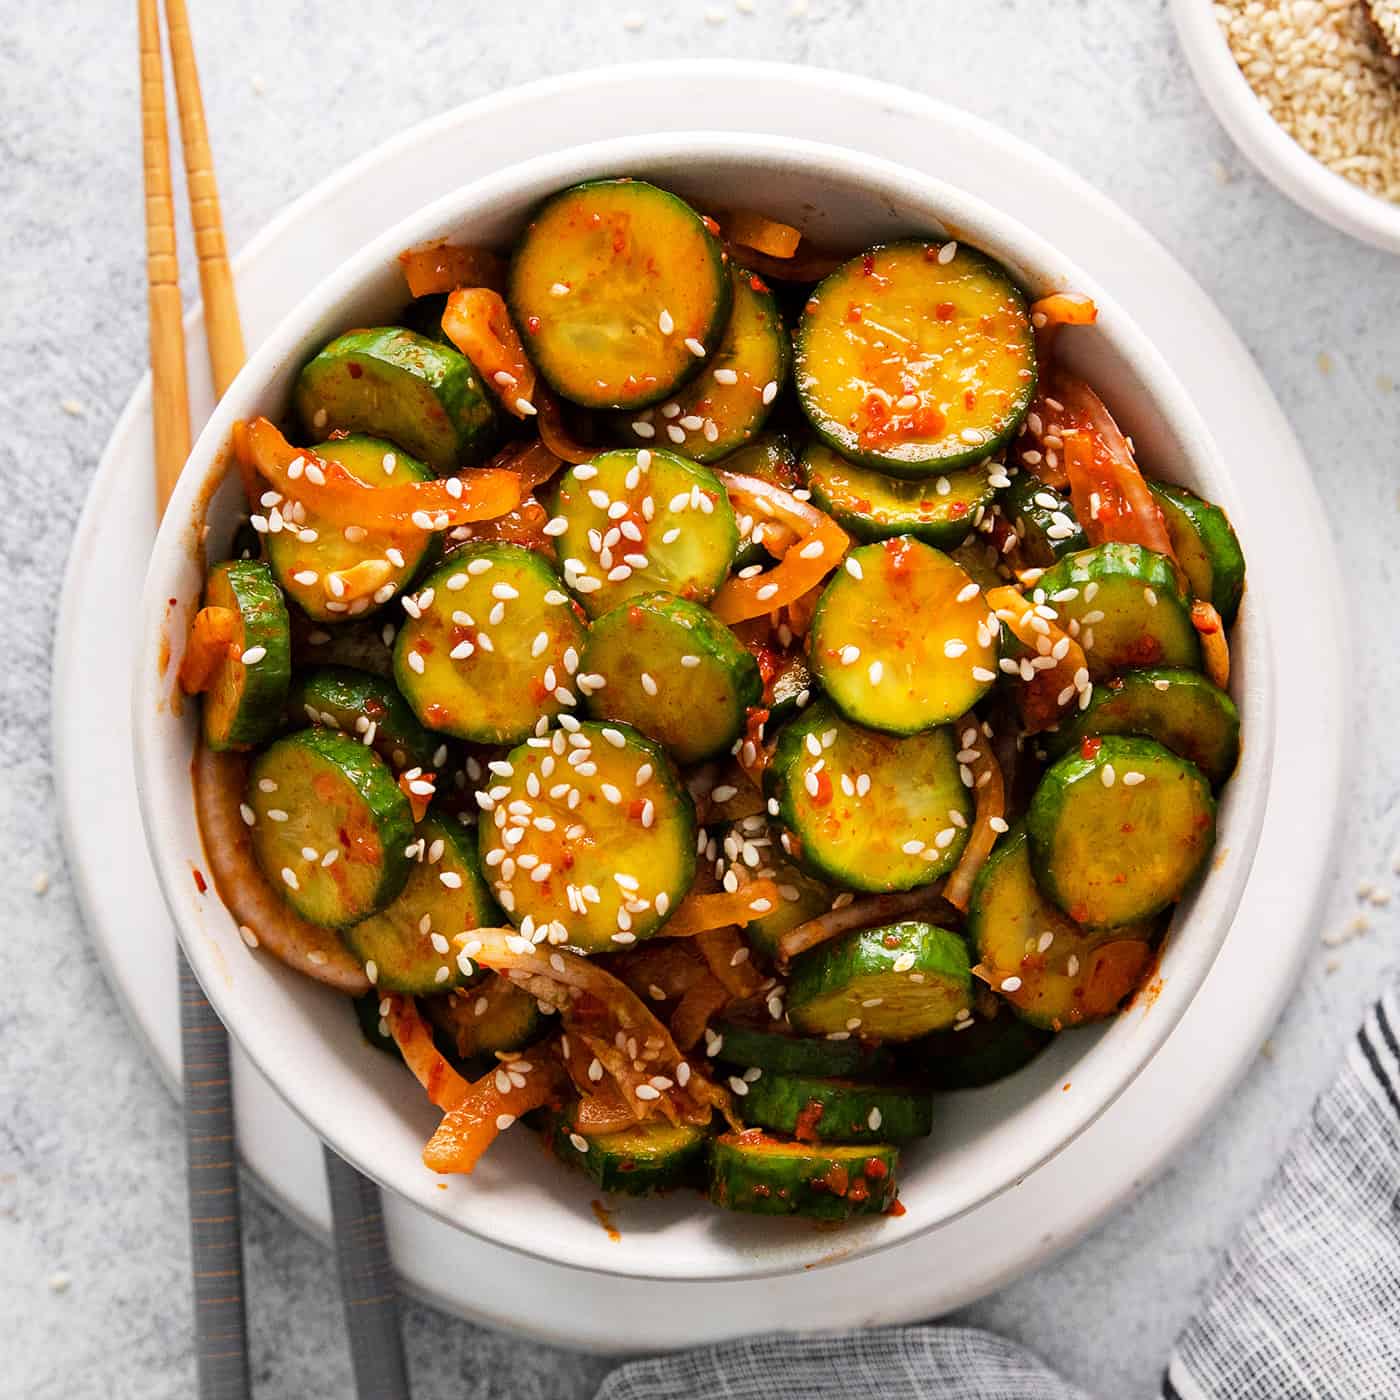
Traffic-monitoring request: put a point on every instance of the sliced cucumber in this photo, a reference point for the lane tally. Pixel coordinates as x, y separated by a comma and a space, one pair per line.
1180, 709
366, 645
1043, 519
902, 639
620, 292
1123, 604
835, 1110
939, 510
980, 1050
490, 1016
867, 810
752, 850
727, 404
495, 645
330, 826
667, 667
311, 559
979, 561
373, 1026
1118, 830
247, 692
915, 359
634, 1161
790, 690
406, 947
779, 1051
1053, 972
367, 707
898, 982
763, 1176
1206, 546
643, 520
603, 814
391, 383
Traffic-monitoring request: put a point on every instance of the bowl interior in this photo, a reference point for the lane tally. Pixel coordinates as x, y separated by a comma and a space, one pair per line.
305, 1038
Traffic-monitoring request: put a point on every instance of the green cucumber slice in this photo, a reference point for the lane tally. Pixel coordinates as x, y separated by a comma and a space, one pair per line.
753, 851
1051, 971
615, 286
916, 359
728, 402
897, 982
1123, 604
602, 812
366, 645
778, 1051
317, 796
791, 689
246, 694
494, 645
980, 1050
373, 1026
635, 1161
1206, 546
369, 708
406, 947
868, 810
1043, 519
940, 510
834, 1110
1180, 709
979, 561
643, 520
902, 639
1118, 829
670, 669
763, 1176
391, 383
310, 557
487, 1017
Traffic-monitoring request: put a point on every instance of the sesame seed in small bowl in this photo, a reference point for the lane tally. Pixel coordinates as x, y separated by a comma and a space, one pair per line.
1310, 91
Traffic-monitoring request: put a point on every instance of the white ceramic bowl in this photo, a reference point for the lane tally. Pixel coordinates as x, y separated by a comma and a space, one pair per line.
1302, 177
303, 1037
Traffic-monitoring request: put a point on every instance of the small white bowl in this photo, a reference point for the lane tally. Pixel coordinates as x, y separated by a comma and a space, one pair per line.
1302, 177
304, 1038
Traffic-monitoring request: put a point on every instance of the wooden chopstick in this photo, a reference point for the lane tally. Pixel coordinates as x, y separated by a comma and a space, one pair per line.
211, 1159
362, 1253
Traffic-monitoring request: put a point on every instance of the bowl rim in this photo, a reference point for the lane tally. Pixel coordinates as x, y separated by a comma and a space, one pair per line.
271, 1053
1283, 161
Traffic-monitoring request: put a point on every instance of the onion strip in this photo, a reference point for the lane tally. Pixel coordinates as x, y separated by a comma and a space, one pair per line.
555, 436
860, 913
990, 821
1215, 648
443, 267
340, 498
761, 234
444, 1086
696, 1008
212, 641
727, 956
489, 1106
1048, 689
477, 323
699, 913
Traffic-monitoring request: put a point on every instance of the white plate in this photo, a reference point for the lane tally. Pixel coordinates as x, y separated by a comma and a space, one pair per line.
1160, 1111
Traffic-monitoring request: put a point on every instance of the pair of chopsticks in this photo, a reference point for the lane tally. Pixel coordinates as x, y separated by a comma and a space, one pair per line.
362, 1255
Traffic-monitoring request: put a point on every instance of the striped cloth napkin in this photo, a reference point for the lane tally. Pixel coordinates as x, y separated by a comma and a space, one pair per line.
1307, 1303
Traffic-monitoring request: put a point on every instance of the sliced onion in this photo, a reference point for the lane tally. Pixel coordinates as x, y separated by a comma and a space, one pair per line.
727, 956
1051, 689
761, 234
443, 267
860, 913
990, 821
219, 782
553, 432
212, 641
489, 1106
428, 1065
477, 323
698, 913
1215, 648
700, 1004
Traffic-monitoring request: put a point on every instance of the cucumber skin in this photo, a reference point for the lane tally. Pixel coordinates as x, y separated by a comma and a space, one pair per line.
1217, 539
521, 314
1043, 816
1138, 565
943, 533
511, 1021
780, 1053
1019, 504
756, 1175
263, 616
825, 973
470, 424
614, 1162
1116, 703
400, 740
988, 1051
937, 466
369, 776
715, 643
783, 1102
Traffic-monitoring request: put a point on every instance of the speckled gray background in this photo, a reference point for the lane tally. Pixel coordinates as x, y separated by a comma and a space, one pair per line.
93, 1256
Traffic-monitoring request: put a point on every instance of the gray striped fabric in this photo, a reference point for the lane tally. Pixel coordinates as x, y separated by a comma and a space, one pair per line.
1306, 1306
